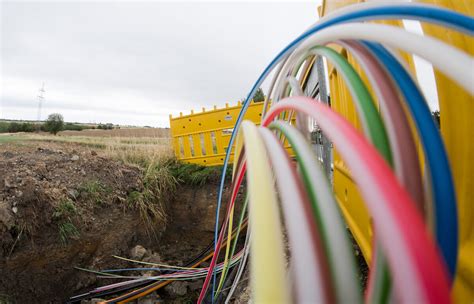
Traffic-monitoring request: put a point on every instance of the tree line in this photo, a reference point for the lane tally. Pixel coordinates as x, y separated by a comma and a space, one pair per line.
54, 124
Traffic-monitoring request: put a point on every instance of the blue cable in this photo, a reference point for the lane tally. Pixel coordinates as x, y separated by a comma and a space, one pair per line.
444, 196
419, 12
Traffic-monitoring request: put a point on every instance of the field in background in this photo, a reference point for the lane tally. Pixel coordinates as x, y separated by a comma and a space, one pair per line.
143, 146
127, 132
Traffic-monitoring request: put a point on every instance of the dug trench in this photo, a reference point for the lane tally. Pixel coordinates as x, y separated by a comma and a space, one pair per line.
63, 206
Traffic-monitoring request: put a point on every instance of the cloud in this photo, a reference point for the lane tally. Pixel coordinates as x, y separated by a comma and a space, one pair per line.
137, 62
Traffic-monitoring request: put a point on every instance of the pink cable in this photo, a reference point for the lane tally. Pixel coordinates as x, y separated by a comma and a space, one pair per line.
309, 262
402, 143
419, 274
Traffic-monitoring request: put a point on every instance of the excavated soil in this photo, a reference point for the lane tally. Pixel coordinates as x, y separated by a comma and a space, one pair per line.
37, 264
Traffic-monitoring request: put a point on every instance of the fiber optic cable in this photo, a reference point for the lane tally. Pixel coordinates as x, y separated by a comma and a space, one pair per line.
407, 11
309, 261
418, 273
329, 222
446, 227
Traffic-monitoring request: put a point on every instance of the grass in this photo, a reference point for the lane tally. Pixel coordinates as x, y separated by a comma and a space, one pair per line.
140, 155
63, 213
195, 175
93, 189
5, 299
122, 133
159, 184
159, 187
18, 230
161, 175
10, 138
148, 144
67, 230
66, 208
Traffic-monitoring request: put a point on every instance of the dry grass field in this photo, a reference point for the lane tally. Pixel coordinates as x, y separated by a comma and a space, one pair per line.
125, 132
142, 145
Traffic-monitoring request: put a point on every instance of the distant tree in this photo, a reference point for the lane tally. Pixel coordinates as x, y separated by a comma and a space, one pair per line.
27, 127
4, 126
54, 123
107, 126
14, 127
69, 126
259, 96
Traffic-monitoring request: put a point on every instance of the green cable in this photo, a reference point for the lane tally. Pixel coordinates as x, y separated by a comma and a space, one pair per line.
380, 293
365, 105
376, 133
326, 215
374, 129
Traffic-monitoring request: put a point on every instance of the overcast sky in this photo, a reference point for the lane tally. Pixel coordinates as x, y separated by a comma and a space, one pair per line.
136, 63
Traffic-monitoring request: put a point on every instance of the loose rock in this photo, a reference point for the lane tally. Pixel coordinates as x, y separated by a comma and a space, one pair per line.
73, 193
6, 218
137, 252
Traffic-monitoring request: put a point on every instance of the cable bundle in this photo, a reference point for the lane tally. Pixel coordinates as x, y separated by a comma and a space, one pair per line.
408, 264
414, 214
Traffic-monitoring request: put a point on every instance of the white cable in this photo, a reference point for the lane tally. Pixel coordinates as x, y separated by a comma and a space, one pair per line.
344, 271
301, 118
358, 7
304, 260
272, 86
353, 8
431, 49
295, 86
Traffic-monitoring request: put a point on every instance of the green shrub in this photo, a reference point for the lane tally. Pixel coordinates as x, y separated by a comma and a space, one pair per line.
5, 299
62, 214
259, 95
66, 208
107, 126
93, 190
159, 185
67, 230
73, 127
196, 175
15, 127
28, 127
54, 123
4, 126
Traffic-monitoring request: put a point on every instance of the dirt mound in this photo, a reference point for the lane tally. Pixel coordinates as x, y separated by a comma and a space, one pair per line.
60, 207
63, 205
